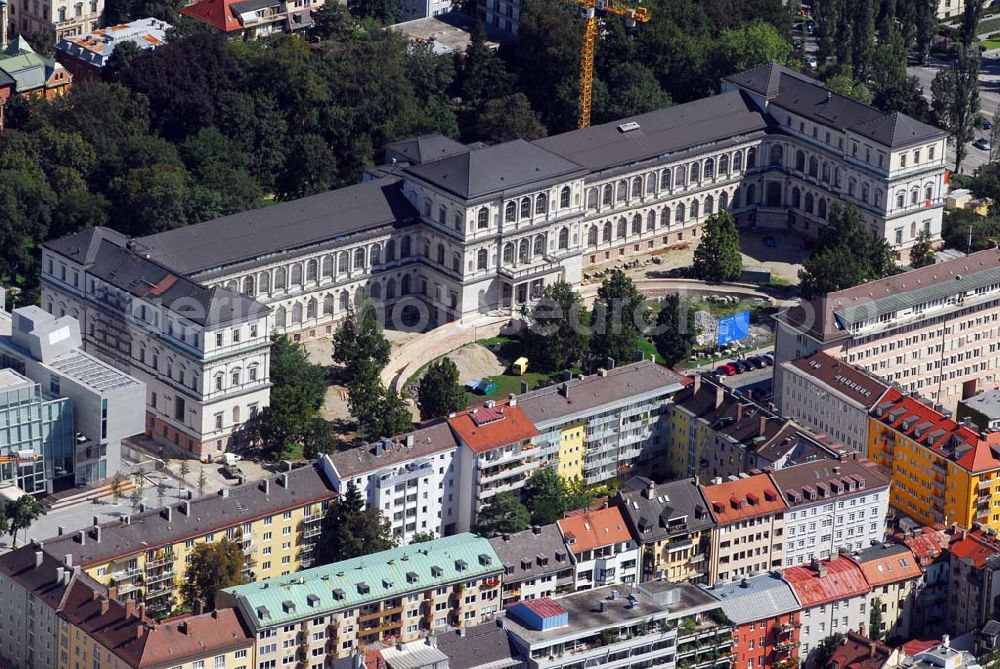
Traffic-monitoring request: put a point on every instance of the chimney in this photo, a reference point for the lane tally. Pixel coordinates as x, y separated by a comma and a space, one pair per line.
946, 642
461, 631
720, 395
105, 605
267, 486
68, 559
129, 607
284, 480
38, 559
409, 440
97, 533
187, 508
696, 386
96, 522
650, 491
512, 400
763, 425
142, 507
184, 628
60, 575
564, 390
225, 493
739, 411
431, 640
168, 513
82, 536
524, 387
536, 529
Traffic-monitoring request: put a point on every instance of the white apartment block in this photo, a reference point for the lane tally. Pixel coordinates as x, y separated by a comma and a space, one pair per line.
203, 353
934, 331
830, 397
55, 18
411, 479
603, 548
832, 505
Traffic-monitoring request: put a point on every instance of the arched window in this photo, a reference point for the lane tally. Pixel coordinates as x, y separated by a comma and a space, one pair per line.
679, 174
295, 275
540, 203
564, 197
592, 236
914, 195
878, 197
777, 153
440, 254
264, 283
328, 304
695, 174
374, 255
852, 187
651, 220
376, 290
724, 164
62, 14
864, 192
311, 307
809, 203
636, 224
622, 193
901, 199
343, 262
609, 194
825, 172
539, 249
404, 285
482, 257
622, 228
326, 269
442, 214
813, 166
665, 217
248, 286
723, 201
796, 198
524, 251
822, 207
390, 289
390, 250
508, 253
680, 213
751, 158
694, 209
510, 212
526, 207
312, 270
664, 179
296, 313
637, 187
483, 218
359, 258
592, 198
564, 238
427, 207
279, 317
345, 300
606, 232
456, 262
709, 205
651, 183
709, 169
929, 192
404, 248
279, 278
459, 221
800, 161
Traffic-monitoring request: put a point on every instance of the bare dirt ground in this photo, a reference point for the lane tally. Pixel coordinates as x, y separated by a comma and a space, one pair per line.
475, 362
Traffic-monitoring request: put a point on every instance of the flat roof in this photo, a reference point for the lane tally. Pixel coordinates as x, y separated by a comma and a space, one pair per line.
986, 403
756, 598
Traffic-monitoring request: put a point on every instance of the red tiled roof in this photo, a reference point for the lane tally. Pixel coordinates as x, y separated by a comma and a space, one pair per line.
899, 565
214, 12
837, 579
543, 607
732, 501
857, 652
911, 648
484, 429
594, 529
927, 544
974, 549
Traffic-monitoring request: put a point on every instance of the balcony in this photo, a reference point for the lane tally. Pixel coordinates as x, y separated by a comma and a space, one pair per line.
160, 560
311, 532
125, 574
159, 578
547, 265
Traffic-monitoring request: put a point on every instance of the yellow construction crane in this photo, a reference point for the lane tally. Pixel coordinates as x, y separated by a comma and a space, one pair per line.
632, 16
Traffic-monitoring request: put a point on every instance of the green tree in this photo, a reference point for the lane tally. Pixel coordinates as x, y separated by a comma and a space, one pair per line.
349, 530
922, 251
21, 514
321, 439
961, 224
288, 418
481, 75
213, 566
290, 366
508, 118
151, 199
202, 481
875, 631
378, 411
359, 340
161, 492
440, 392
135, 499
504, 514
422, 537
120, 61
117, 485
385, 12
628, 89
556, 328
619, 319
955, 100
310, 168
843, 84
185, 469
546, 495
825, 649
745, 47
675, 329
718, 257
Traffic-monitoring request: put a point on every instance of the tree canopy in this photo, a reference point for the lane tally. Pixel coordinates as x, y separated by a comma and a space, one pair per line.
556, 333
717, 257
350, 530
675, 329
503, 514
440, 392
213, 566
619, 319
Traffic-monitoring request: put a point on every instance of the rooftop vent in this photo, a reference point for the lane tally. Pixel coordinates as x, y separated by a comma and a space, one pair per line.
628, 127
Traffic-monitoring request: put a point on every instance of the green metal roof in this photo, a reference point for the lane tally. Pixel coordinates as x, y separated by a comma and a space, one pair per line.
911, 298
351, 583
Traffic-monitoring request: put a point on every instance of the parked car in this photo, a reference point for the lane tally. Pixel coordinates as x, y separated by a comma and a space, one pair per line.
986, 123
757, 362
768, 358
726, 370
741, 366
982, 144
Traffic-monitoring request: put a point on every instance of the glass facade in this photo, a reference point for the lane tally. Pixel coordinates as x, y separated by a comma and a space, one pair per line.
36, 437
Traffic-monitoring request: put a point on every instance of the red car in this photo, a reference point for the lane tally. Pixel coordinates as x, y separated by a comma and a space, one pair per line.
726, 370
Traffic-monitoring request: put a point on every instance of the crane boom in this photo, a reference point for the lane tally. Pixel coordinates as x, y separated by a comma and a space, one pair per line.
632, 16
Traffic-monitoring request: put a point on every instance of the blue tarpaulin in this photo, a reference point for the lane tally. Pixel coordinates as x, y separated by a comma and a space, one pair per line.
733, 328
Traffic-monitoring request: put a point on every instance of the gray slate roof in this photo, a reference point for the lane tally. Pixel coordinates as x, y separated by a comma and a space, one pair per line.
485, 646
425, 149
427, 440
150, 529
495, 169
766, 79
523, 553
549, 404
6, 79
757, 598
43, 580
664, 131
986, 403
649, 513
793, 479
284, 227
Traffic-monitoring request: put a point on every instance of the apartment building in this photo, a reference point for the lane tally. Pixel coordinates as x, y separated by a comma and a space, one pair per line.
672, 525
604, 550
393, 596
950, 8
497, 454
834, 597
606, 425
411, 479
84, 55
142, 557
982, 409
247, 20
536, 563
895, 579
717, 432
33, 590
658, 624
857, 650
107, 403
942, 471
930, 549
56, 19
830, 397
931, 331
973, 581
202, 352
485, 646
766, 614
833, 505
748, 535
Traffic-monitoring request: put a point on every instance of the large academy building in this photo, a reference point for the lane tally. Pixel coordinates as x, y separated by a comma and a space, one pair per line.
447, 232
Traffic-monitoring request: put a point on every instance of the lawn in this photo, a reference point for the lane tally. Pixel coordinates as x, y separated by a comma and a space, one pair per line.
990, 44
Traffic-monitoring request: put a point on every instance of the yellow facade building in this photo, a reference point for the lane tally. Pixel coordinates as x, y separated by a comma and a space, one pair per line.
142, 558
942, 471
572, 450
